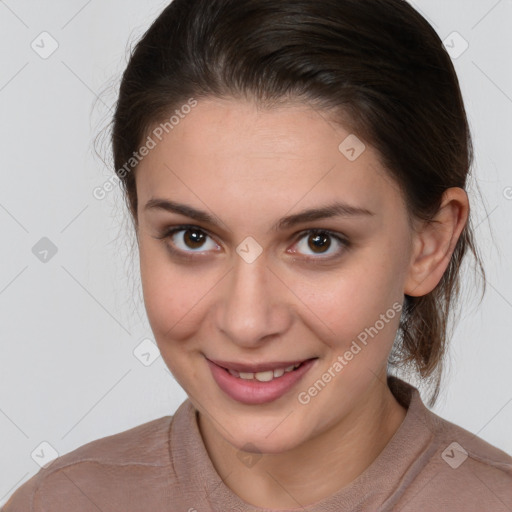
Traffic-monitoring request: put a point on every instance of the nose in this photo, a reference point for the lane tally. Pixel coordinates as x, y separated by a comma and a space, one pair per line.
253, 308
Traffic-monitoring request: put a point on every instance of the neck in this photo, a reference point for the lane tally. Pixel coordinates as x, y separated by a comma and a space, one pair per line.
298, 477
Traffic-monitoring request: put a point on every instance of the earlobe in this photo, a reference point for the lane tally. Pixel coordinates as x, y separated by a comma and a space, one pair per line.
434, 243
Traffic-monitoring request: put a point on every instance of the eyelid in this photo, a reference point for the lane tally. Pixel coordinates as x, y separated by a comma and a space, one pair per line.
342, 239
339, 237
167, 233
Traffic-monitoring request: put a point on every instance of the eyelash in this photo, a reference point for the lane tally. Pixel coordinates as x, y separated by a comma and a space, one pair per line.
189, 255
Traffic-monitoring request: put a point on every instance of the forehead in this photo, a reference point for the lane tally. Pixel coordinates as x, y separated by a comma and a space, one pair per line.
243, 128
235, 149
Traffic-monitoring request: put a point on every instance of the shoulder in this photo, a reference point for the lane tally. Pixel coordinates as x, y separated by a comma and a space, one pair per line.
76, 477
445, 467
462, 472
458, 445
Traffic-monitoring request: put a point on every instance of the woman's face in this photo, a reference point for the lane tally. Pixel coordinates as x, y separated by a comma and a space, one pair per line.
252, 286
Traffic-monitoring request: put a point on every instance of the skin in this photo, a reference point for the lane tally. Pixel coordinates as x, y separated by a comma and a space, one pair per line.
249, 167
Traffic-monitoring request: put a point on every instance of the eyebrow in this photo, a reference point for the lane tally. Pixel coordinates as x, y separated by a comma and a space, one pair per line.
336, 209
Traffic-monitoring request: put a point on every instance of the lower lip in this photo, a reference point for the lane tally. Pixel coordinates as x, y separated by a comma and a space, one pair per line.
254, 392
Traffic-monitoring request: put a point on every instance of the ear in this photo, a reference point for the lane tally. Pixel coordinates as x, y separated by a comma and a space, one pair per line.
434, 242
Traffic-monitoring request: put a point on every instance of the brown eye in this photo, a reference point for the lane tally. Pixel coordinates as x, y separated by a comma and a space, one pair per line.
187, 240
193, 238
319, 242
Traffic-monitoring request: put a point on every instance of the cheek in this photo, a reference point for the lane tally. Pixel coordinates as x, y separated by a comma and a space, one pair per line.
360, 302
169, 298
169, 294
337, 307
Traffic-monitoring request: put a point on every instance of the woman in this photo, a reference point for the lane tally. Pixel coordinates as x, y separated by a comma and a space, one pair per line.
296, 176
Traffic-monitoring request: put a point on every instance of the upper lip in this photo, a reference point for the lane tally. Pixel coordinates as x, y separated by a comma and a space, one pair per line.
258, 367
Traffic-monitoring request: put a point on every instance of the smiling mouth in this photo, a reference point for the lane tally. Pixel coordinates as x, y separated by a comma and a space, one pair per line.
263, 372
264, 376
269, 382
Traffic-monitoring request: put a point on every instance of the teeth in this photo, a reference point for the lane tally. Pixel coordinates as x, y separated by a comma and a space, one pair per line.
266, 376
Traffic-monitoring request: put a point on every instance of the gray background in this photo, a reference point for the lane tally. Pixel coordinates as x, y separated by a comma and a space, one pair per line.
71, 321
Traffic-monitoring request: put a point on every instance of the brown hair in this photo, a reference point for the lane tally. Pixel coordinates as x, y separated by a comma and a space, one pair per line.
377, 64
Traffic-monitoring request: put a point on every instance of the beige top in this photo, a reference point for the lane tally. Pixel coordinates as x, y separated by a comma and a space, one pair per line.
429, 464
